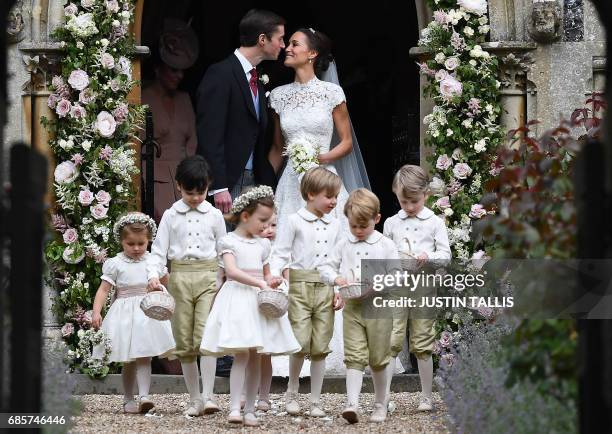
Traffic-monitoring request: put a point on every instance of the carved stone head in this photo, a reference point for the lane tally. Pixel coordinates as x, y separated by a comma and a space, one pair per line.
545, 23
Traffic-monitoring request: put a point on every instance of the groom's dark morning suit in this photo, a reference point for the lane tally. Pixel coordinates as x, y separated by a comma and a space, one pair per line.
230, 128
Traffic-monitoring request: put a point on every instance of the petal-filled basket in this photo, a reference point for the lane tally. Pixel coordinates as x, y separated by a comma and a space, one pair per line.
158, 305
272, 303
351, 291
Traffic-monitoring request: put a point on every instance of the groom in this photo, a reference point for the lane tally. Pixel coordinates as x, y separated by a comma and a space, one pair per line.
232, 110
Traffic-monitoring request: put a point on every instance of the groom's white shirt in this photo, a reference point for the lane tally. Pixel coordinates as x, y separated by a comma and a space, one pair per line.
247, 67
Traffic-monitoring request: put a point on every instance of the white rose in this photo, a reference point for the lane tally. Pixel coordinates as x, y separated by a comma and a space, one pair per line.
116, 23
119, 189
484, 29
78, 79
80, 45
450, 87
88, 3
473, 62
112, 6
437, 186
448, 212
478, 7
107, 61
71, 10
449, 132
435, 133
440, 57
468, 31
458, 154
480, 146
65, 172
105, 124
451, 63
462, 171
104, 42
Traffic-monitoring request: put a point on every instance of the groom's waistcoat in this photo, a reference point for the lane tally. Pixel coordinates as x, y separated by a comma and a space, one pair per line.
229, 129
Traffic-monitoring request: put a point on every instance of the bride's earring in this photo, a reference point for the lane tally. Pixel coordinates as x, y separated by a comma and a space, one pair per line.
309, 60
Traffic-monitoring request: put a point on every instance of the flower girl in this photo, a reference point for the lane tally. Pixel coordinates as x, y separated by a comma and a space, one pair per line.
235, 324
134, 337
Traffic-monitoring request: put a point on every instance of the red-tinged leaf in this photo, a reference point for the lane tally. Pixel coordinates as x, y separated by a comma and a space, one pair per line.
534, 122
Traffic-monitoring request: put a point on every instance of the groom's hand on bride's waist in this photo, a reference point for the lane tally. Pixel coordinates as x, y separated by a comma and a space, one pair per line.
223, 201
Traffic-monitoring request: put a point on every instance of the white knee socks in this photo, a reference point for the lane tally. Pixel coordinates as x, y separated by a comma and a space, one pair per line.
380, 380
265, 378
426, 374
237, 375
317, 371
192, 379
143, 375
295, 367
251, 382
390, 370
208, 367
354, 379
128, 377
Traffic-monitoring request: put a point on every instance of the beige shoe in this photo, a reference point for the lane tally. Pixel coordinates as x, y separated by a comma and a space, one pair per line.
250, 420
263, 405
146, 404
235, 417
316, 410
292, 405
131, 407
425, 404
211, 407
351, 413
196, 408
379, 414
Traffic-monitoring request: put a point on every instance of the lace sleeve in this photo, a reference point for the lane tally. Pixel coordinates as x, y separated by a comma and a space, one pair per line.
275, 100
335, 95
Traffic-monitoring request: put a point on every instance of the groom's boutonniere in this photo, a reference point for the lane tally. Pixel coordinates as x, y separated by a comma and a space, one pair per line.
264, 79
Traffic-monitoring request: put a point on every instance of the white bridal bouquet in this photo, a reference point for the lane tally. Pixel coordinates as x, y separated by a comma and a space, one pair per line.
303, 155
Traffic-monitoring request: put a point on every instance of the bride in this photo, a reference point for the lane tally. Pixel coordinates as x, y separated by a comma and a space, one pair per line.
313, 112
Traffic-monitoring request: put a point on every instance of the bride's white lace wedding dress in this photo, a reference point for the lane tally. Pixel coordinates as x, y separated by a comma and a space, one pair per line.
305, 112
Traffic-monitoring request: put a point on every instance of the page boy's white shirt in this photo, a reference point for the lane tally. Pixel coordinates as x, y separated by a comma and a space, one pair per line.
426, 233
304, 242
347, 255
186, 234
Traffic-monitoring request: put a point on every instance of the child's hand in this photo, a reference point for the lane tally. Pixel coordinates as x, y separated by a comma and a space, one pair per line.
262, 285
340, 281
338, 302
274, 281
153, 284
421, 259
96, 320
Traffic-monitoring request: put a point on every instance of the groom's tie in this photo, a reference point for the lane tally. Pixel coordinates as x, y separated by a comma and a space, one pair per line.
253, 82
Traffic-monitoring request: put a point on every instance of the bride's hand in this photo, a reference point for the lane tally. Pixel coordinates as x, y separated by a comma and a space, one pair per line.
324, 158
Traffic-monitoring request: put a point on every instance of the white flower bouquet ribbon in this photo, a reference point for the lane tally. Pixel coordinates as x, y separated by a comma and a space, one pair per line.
302, 155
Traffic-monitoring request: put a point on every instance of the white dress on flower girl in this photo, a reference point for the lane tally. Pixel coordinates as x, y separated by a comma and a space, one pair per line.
132, 334
235, 323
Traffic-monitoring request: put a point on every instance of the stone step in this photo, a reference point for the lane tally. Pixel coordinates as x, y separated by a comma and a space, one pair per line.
111, 385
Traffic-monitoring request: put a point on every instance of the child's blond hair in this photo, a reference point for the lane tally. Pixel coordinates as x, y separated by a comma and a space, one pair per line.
410, 181
362, 206
319, 179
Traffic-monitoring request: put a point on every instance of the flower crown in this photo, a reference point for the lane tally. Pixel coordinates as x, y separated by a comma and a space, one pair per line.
245, 199
131, 218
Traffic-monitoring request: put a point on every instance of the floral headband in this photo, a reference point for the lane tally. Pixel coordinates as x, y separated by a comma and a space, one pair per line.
132, 218
245, 199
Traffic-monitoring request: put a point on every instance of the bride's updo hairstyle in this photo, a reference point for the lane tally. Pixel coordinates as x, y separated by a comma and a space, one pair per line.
321, 43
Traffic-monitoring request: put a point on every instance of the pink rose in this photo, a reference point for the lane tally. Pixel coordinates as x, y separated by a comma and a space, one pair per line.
121, 113
57, 82
70, 236
86, 197
107, 61
477, 211
443, 162
103, 197
66, 172
450, 87
98, 211
441, 75
53, 100
87, 317
78, 112
112, 6
105, 124
462, 171
87, 96
443, 203
67, 329
63, 108
451, 63
446, 339
78, 79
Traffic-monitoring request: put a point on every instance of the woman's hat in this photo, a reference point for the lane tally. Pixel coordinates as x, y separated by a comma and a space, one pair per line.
178, 44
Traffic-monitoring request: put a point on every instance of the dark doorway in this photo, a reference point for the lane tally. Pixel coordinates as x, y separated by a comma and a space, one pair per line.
371, 48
